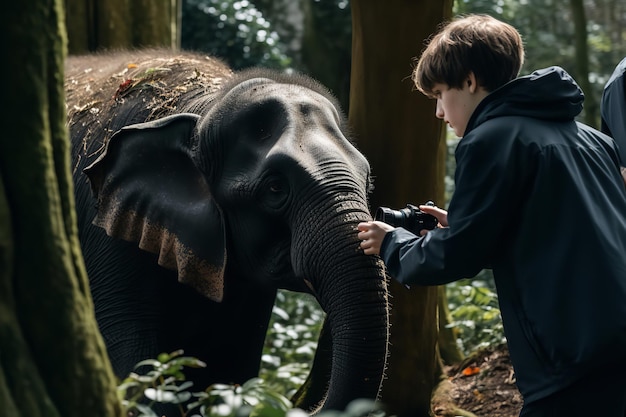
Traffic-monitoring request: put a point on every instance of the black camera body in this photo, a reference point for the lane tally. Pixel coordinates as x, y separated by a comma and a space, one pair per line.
411, 218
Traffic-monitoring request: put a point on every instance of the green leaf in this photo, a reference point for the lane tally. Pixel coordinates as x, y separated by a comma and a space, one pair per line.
149, 362
145, 411
187, 361
267, 411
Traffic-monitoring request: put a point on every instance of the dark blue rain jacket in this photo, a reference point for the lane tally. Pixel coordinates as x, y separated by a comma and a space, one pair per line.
539, 199
613, 108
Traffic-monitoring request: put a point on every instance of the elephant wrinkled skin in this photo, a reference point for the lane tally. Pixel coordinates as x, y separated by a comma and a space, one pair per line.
199, 193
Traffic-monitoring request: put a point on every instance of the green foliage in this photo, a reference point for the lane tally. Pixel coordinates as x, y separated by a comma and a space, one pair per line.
253, 398
357, 408
234, 30
291, 341
165, 383
475, 313
290, 347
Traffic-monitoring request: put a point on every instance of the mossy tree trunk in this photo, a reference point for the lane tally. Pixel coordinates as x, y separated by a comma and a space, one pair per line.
52, 358
94, 25
397, 130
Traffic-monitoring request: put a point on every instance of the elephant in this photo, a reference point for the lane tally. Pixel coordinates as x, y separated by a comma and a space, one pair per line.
200, 191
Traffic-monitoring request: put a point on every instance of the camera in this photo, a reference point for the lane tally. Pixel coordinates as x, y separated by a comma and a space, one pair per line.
411, 218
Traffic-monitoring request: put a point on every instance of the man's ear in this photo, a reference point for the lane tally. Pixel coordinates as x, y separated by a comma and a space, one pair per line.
472, 84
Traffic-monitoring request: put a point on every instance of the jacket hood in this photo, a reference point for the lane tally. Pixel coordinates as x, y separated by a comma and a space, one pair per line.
548, 94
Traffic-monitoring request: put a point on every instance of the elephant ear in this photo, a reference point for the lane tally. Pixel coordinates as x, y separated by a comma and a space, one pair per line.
150, 191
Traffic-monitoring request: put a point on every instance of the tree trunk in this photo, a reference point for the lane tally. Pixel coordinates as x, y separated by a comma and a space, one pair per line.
582, 62
326, 50
53, 361
112, 24
397, 130
450, 352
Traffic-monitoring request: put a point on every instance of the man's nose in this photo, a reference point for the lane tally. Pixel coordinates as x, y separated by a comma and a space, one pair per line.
439, 110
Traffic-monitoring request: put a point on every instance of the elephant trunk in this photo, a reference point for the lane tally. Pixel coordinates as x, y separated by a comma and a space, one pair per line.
351, 289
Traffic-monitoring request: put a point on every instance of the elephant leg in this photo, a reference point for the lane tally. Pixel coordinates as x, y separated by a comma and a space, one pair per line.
228, 336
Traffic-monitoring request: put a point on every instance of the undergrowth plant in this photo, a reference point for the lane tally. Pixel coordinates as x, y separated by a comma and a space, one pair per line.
292, 337
288, 354
291, 341
164, 382
475, 313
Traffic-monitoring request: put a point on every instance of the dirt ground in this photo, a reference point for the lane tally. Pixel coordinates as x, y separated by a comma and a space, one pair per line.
483, 385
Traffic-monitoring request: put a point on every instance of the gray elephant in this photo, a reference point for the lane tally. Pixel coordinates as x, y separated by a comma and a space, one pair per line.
199, 193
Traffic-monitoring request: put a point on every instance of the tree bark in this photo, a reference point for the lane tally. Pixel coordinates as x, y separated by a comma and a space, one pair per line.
397, 130
582, 62
114, 24
449, 349
325, 55
52, 358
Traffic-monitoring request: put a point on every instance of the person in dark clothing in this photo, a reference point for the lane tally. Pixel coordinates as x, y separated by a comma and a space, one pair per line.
613, 110
539, 199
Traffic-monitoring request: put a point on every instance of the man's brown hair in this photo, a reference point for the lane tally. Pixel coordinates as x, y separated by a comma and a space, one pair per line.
491, 49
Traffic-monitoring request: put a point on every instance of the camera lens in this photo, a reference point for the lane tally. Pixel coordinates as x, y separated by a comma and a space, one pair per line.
411, 218
396, 218
384, 214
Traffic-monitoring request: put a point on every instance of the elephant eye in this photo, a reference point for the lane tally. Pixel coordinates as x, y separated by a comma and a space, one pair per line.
276, 192
276, 187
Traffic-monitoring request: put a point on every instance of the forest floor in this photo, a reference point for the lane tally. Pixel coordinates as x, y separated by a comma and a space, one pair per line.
483, 384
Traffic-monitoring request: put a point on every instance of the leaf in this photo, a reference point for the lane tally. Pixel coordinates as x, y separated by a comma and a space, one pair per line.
128, 383
151, 362
159, 395
361, 407
187, 361
267, 411
471, 370
185, 385
166, 357
145, 411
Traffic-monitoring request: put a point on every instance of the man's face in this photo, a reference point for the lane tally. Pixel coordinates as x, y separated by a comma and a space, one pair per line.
455, 106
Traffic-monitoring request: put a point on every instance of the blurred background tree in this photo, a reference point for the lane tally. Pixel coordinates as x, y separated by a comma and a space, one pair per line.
396, 129
94, 25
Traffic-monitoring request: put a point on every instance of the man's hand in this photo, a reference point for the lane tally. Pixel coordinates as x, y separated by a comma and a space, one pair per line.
372, 235
439, 213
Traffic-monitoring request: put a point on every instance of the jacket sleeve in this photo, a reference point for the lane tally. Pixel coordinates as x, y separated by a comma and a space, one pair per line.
489, 177
416, 260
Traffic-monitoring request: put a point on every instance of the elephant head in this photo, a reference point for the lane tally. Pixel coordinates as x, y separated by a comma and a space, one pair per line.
242, 191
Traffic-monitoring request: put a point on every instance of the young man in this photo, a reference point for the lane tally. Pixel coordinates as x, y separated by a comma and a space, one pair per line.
613, 110
540, 200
